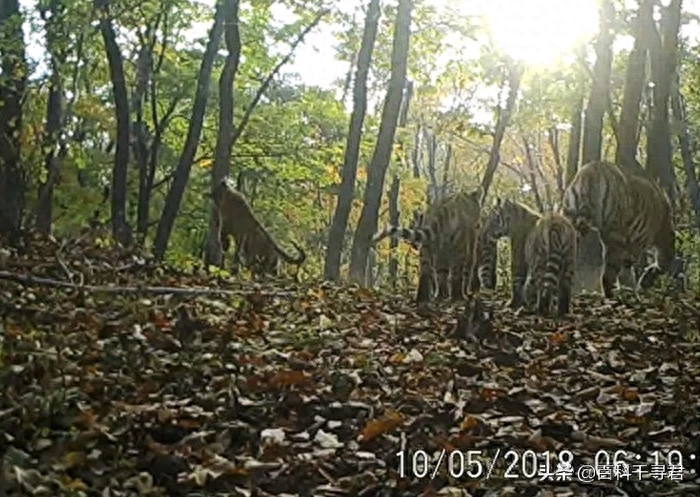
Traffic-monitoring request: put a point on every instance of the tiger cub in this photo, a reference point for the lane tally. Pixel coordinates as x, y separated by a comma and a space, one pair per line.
632, 214
550, 255
447, 237
255, 247
514, 220
487, 261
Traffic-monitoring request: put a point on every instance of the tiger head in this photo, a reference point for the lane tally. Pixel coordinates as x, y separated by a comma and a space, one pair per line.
498, 222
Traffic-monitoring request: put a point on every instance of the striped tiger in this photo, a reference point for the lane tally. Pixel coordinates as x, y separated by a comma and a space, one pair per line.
550, 255
487, 260
447, 237
514, 220
632, 214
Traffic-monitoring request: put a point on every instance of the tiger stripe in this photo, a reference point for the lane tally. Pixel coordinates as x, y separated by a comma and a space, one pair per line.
446, 237
550, 253
632, 214
513, 220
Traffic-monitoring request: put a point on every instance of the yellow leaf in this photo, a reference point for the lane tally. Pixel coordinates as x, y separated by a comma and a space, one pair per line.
376, 427
70, 484
73, 459
397, 358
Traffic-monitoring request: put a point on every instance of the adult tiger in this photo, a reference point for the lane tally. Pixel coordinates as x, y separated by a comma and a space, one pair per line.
447, 238
632, 214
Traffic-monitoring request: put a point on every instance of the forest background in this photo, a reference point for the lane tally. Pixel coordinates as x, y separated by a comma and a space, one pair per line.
334, 116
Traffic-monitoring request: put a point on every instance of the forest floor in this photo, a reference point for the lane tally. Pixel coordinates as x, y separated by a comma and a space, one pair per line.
289, 389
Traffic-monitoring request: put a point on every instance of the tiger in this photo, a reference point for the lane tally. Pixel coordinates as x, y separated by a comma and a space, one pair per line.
255, 247
487, 261
514, 220
631, 212
550, 256
447, 236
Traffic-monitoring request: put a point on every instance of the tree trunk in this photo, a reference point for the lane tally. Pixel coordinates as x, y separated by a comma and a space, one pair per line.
532, 173
144, 68
600, 89
684, 143
13, 84
553, 140
394, 219
336, 235
663, 69
54, 113
348, 75
120, 228
182, 173
446, 169
416, 152
367, 224
433, 186
626, 152
515, 74
224, 139
572, 155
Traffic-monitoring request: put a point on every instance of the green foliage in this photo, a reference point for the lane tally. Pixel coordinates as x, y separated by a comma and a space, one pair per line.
689, 245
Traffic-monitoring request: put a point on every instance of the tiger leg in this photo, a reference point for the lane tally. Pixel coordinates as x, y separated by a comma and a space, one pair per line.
457, 281
566, 281
425, 280
470, 283
486, 265
518, 271
530, 293
664, 243
544, 286
564, 294
544, 298
443, 263
614, 258
457, 278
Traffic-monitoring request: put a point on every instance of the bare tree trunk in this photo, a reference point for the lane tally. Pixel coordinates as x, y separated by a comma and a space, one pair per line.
120, 228
663, 69
572, 155
553, 139
182, 172
626, 152
224, 139
367, 224
54, 113
433, 187
13, 84
600, 90
394, 214
336, 235
416, 152
684, 143
140, 147
446, 170
394, 219
533, 178
515, 73
348, 77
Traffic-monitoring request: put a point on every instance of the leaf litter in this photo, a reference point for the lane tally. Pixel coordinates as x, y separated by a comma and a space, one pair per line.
285, 389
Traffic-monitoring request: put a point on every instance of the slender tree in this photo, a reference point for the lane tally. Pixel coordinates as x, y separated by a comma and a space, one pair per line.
336, 234
376, 173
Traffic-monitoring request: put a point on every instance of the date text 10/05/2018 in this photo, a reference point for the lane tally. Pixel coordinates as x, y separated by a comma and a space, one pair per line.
546, 465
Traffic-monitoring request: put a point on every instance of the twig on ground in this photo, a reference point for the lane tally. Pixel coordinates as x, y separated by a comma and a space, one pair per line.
153, 290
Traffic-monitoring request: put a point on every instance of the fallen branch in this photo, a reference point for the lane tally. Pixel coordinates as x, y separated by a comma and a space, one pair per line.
153, 290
